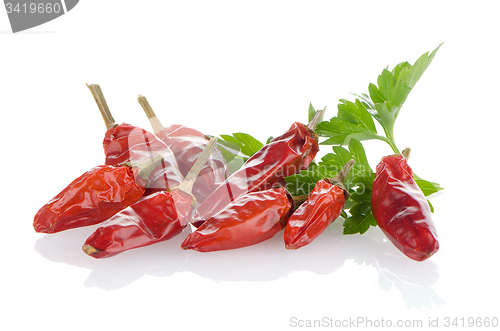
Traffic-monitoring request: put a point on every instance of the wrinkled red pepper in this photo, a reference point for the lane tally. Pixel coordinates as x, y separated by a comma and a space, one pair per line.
323, 206
128, 143
157, 217
187, 144
285, 155
248, 220
94, 197
401, 209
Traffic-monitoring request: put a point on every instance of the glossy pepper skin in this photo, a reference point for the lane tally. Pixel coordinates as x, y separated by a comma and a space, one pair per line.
248, 220
155, 218
90, 199
401, 209
128, 143
187, 144
324, 204
285, 155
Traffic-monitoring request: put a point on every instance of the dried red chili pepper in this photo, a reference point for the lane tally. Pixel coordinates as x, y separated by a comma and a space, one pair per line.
248, 220
157, 217
187, 144
324, 204
401, 209
128, 143
283, 156
95, 196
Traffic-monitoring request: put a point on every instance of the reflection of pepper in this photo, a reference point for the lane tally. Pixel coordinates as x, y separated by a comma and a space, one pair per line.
158, 217
324, 204
248, 220
128, 143
283, 156
401, 209
94, 197
187, 144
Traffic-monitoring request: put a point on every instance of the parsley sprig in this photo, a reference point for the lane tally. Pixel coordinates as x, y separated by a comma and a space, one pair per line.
354, 123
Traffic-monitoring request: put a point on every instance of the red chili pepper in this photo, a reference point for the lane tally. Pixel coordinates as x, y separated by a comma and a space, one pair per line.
323, 206
157, 217
128, 143
283, 156
187, 144
248, 220
95, 196
401, 209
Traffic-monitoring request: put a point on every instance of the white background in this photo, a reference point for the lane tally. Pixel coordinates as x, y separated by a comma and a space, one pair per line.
253, 66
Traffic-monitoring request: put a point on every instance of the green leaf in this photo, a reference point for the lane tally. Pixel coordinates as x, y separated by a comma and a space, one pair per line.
311, 112
360, 220
231, 153
304, 182
393, 88
413, 73
339, 132
375, 94
385, 83
248, 145
427, 187
359, 155
355, 112
360, 187
331, 163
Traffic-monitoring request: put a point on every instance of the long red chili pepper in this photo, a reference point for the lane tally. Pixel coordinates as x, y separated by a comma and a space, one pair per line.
95, 196
324, 204
157, 217
128, 143
401, 209
187, 144
285, 155
248, 220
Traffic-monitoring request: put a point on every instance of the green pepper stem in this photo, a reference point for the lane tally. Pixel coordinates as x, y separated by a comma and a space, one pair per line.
103, 106
153, 120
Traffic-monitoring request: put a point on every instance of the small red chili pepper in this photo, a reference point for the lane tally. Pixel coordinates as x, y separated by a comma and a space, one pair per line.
401, 209
283, 156
187, 144
155, 218
95, 196
248, 220
323, 206
128, 143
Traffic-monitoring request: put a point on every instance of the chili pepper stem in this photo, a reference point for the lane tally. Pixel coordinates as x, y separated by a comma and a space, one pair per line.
341, 176
316, 119
103, 106
147, 167
89, 249
406, 153
339, 179
155, 122
299, 199
187, 184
